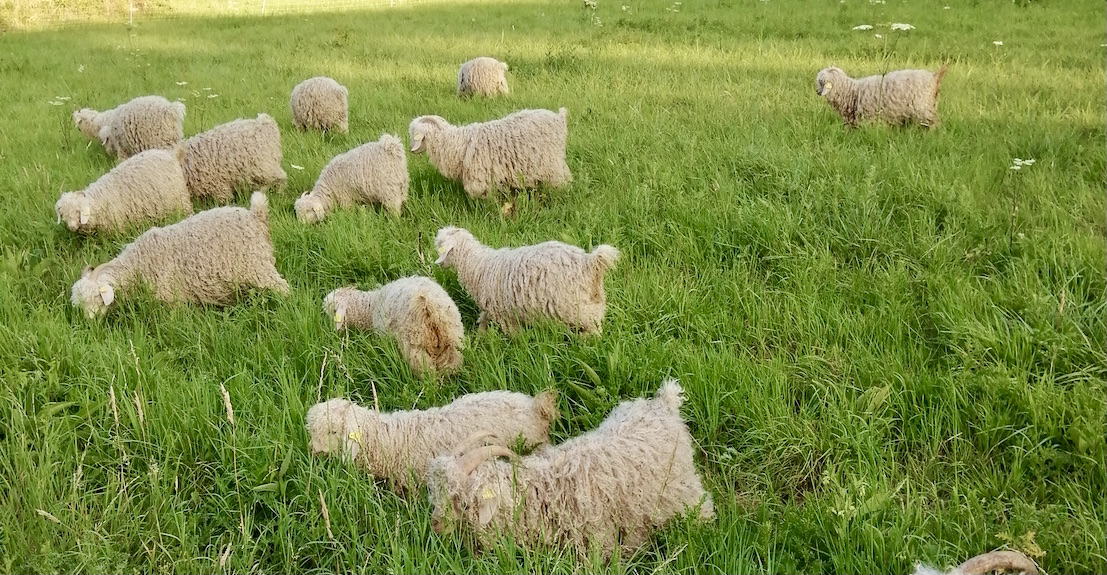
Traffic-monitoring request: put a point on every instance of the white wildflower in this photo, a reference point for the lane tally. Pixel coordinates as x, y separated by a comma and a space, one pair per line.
213, 95
62, 98
182, 83
863, 27
81, 68
878, 35
902, 26
295, 167
625, 8
998, 42
207, 89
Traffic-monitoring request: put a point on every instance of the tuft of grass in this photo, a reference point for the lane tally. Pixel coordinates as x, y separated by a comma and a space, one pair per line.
893, 346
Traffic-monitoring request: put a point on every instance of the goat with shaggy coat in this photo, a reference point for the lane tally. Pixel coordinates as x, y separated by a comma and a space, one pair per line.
146, 187
319, 103
987, 563
237, 153
394, 445
896, 97
517, 286
370, 173
144, 123
414, 310
207, 258
518, 151
605, 489
482, 76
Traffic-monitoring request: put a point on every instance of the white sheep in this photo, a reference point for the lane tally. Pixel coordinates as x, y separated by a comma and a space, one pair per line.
414, 310
319, 103
145, 187
482, 76
517, 286
144, 123
394, 445
373, 172
237, 153
896, 97
518, 151
207, 258
605, 489
986, 563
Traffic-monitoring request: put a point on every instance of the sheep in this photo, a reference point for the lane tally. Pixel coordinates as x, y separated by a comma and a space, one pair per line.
148, 186
896, 97
482, 76
394, 445
144, 123
517, 286
206, 258
372, 172
319, 103
987, 563
607, 488
415, 310
519, 151
240, 152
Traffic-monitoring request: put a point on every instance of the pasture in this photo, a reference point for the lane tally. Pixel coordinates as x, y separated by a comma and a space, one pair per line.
893, 344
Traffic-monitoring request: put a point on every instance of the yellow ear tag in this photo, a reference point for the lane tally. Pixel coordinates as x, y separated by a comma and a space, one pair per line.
826, 90
441, 249
103, 289
337, 317
355, 435
487, 493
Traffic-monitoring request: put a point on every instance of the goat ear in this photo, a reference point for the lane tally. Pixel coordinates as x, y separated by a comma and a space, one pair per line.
354, 437
489, 502
826, 88
444, 249
318, 209
340, 315
353, 444
416, 139
86, 213
107, 293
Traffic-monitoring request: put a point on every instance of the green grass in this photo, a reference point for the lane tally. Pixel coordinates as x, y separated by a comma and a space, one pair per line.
886, 361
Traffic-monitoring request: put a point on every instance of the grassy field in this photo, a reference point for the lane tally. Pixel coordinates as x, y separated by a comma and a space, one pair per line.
893, 345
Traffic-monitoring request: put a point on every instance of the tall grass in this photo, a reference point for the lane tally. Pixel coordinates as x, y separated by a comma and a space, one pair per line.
893, 345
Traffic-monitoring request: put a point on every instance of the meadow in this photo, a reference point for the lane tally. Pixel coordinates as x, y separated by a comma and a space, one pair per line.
893, 344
